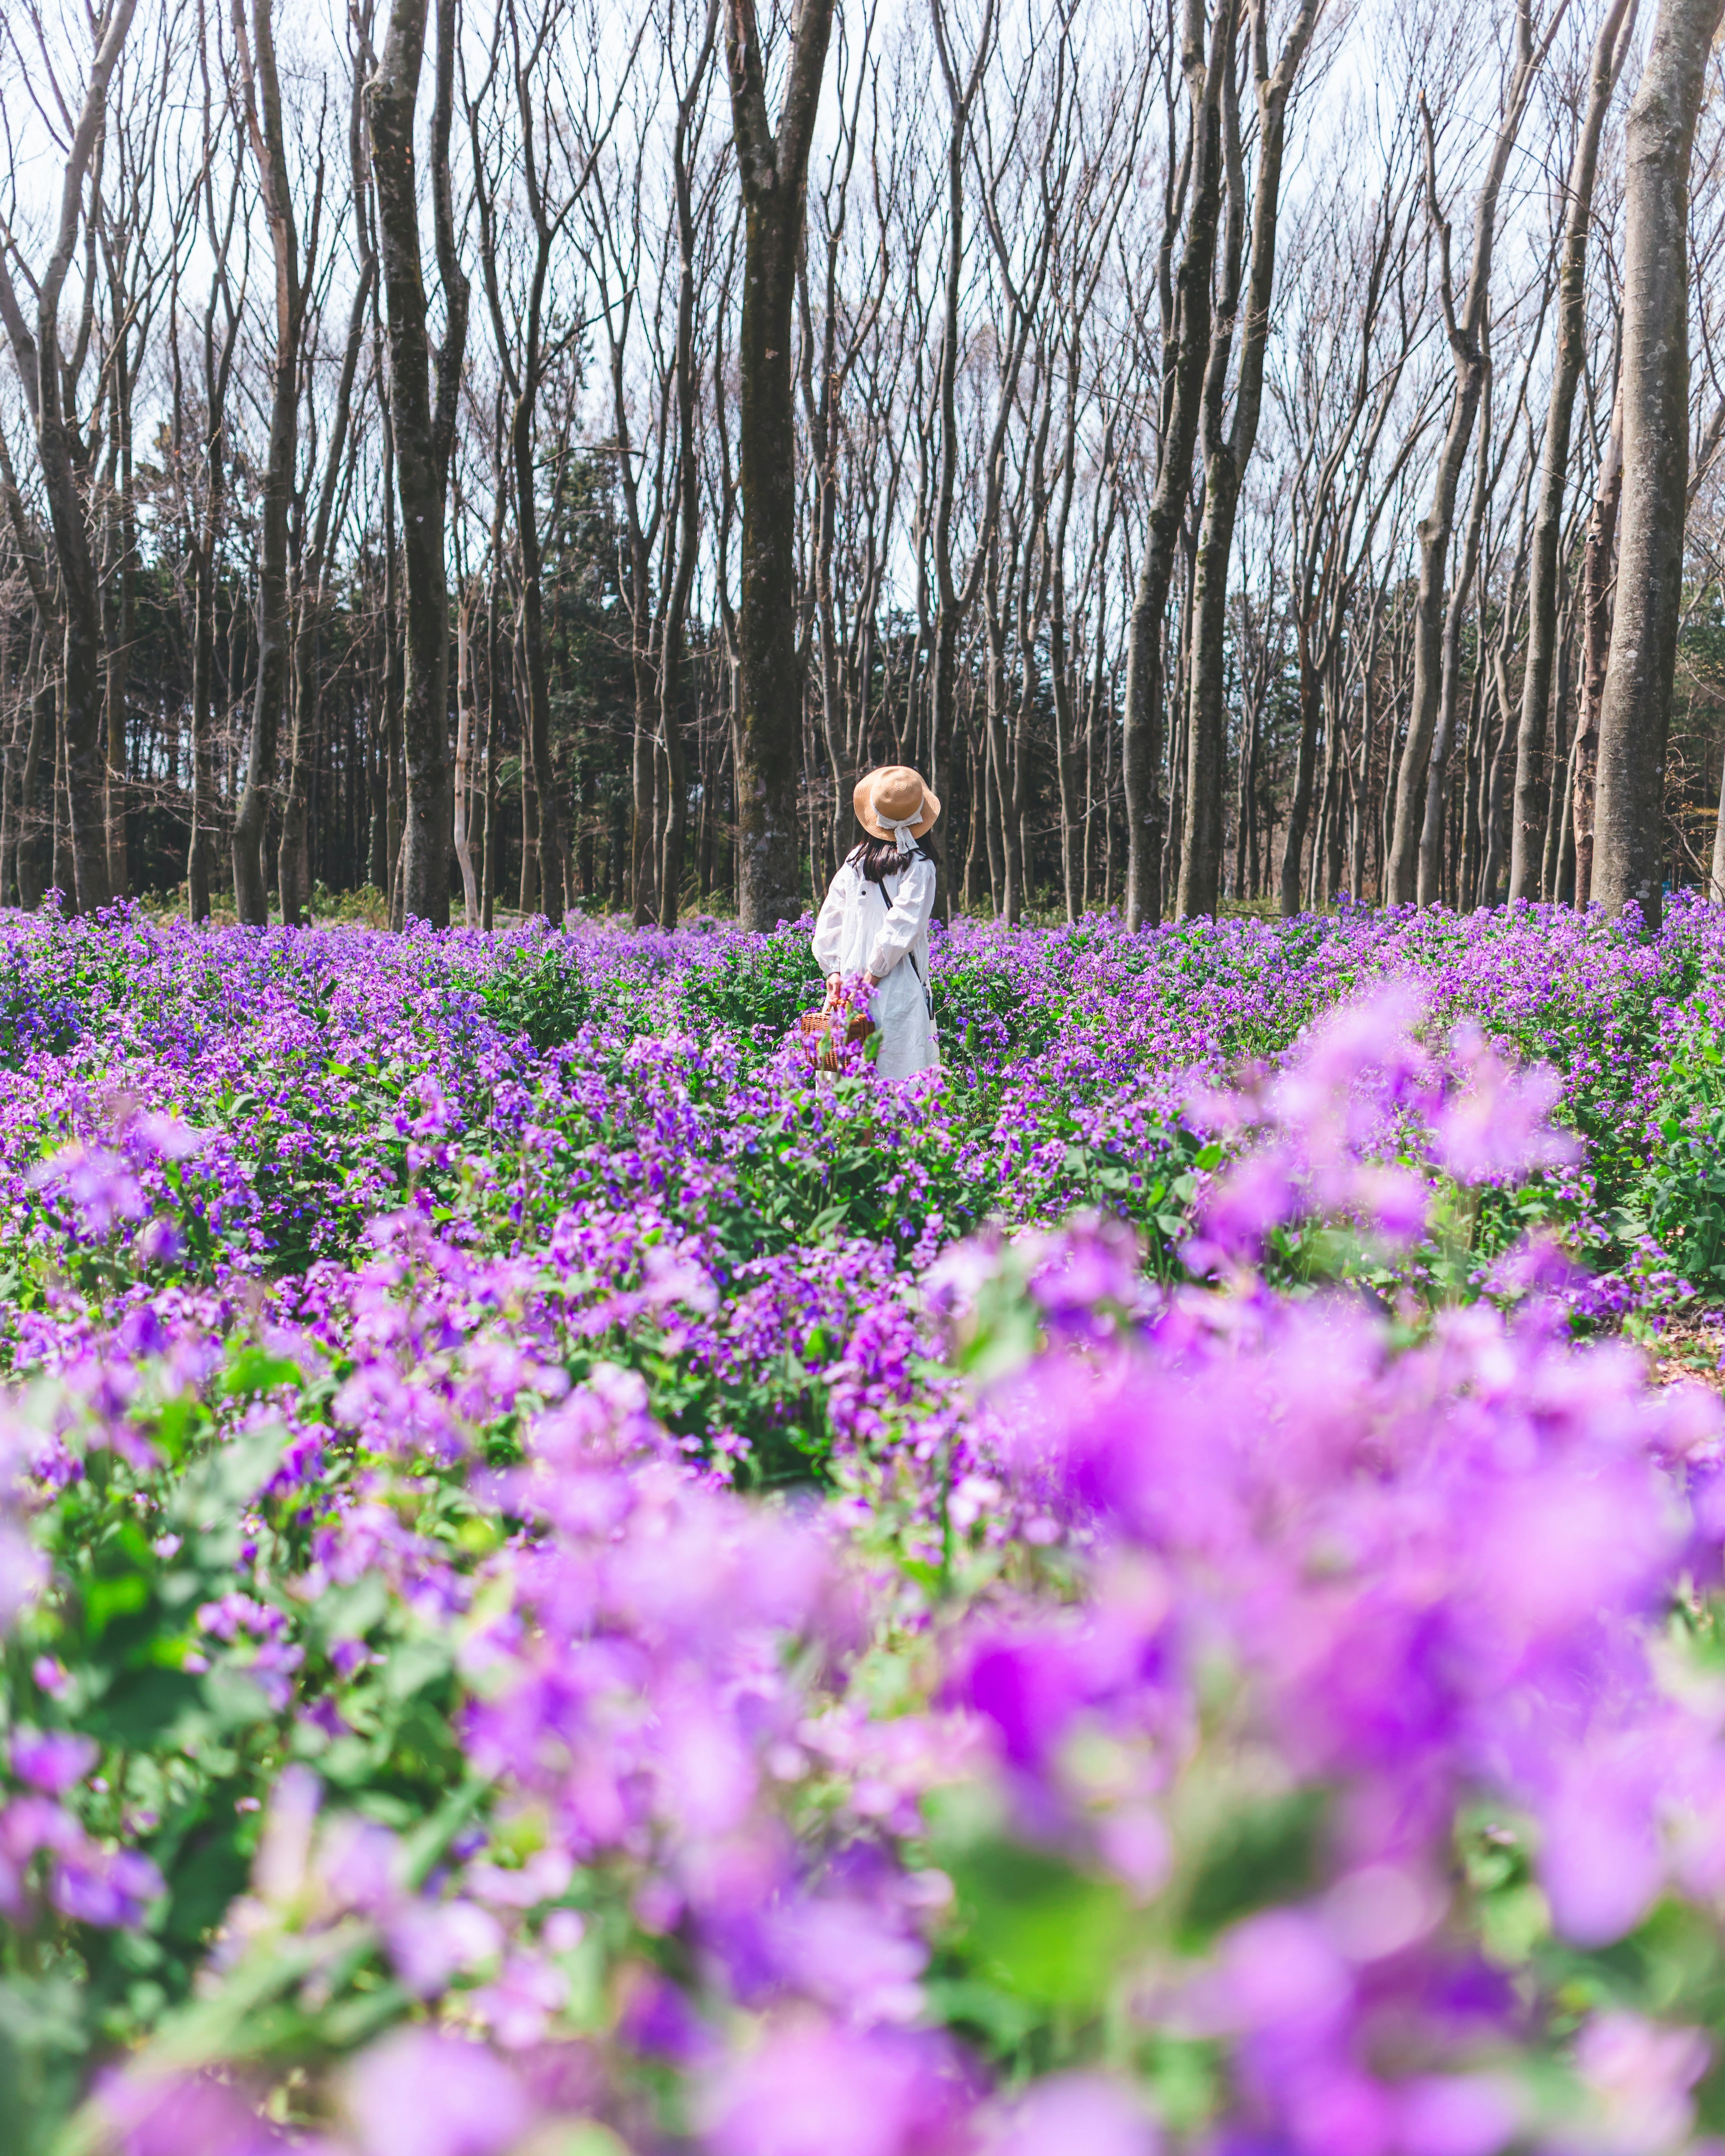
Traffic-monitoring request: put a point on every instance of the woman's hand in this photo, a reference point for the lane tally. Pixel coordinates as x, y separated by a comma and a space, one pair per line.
834, 983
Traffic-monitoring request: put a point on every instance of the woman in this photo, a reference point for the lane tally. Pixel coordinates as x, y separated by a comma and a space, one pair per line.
875, 920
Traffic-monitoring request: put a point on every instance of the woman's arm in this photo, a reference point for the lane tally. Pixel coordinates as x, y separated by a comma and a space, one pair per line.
829, 926
905, 919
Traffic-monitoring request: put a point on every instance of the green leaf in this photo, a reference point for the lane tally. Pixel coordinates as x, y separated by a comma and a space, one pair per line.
43, 2039
254, 1370
413, 1666
1265, 1854
1041, 1927
153, 1709
235, 1700
106, 1599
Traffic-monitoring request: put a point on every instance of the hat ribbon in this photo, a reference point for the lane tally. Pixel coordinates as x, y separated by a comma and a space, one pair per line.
900, 826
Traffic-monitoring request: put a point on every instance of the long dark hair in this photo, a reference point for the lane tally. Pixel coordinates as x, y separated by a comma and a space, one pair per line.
880, 858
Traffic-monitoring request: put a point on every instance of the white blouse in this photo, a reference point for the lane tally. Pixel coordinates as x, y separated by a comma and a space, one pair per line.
882, 929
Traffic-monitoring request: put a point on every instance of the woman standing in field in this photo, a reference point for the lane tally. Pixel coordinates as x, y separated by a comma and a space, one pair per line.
875, 920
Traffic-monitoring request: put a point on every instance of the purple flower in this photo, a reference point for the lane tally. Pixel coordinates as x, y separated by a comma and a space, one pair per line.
1077, 2112
53, 1760
435, 2096
1638, 2079
809, 2089
97, 1184
191, 2115
111, 1891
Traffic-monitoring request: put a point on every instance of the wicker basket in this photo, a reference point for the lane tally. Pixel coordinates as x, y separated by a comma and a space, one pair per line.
818, 1025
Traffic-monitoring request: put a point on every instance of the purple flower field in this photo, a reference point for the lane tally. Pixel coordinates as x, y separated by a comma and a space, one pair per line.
572, 1585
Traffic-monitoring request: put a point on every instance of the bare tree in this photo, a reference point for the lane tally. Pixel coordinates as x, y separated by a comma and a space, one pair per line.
773, 169
422, 417
1635, 708
1181, 397
548, 118
1467, 330
307, 591
50, 378
1609, 51
201, 468
675, 819
261, 102
1227, 453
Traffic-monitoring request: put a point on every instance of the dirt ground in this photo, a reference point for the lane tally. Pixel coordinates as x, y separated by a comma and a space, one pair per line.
1690, 1348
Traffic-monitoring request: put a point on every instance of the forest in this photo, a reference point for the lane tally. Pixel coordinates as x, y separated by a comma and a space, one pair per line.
507, 459
1078, 1510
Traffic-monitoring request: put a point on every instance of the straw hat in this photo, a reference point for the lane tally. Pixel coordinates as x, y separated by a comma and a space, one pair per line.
892, 803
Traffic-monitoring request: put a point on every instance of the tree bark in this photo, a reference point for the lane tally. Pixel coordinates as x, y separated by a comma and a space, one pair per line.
773, 172
1598, 579
1527, 852
200, 847
1226, 456
1431, 829
1467, 334
1635, 711
465, 729
34, 827
1142, 743
119, 525
1304, 776
293, 874
47, 382
424, 417
671, 653
263, 106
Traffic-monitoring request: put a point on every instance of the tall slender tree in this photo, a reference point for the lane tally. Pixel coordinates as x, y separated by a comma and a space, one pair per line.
1206, 72
1525, 851
50, 378
424, 396
1635, 707
1227, 451
261, 97
773, 168
1466, 327
293, 873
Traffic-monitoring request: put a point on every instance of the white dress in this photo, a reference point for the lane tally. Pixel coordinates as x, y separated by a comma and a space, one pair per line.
882, 929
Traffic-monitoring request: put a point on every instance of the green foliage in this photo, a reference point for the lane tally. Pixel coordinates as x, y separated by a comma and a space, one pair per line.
539, 991
755, 991
1677, 1195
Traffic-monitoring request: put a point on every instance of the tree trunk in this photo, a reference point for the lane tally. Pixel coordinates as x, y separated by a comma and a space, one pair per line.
548, 833
1635, 711
81, 730
292, 858
1557, 792
423, 420
1141, 746
263, 120
1305, 773
10, 775
293, 873
1431, 829
1496, 801
1525, 853
200, 848
122, 550
464, 730
34, 828
1467, 334
66, 862
772, 171
1227, 456
1598, 579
